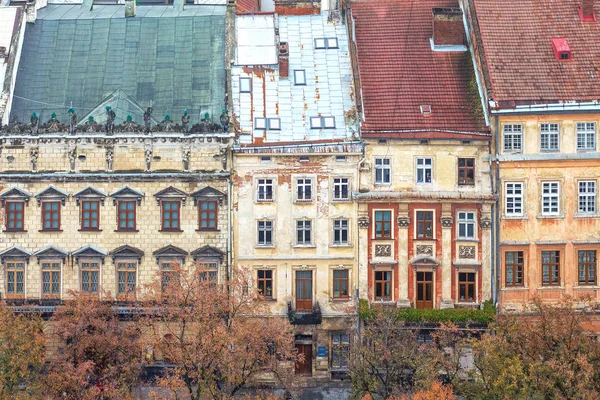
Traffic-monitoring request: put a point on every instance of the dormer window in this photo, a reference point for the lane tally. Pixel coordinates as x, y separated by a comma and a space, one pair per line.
561, 48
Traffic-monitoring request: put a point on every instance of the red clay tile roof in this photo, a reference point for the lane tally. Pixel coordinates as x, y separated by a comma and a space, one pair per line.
247, 6
399, 72
517, 42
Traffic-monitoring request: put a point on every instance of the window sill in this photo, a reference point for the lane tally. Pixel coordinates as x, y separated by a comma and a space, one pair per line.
208, 230
340, 299
304, 246
265, 201
467, 303
517, 288
466, 184
14, 231
383, 183
89, 230
551, 288
267, 299
50, 230
344, 245
577, 216
126, 230
586, 150
383, 238
265, 246
514, 217
469, 240
550, 151
584, 287
425, 239
557, 216
340, 200
298, 201
170, 230
424, 183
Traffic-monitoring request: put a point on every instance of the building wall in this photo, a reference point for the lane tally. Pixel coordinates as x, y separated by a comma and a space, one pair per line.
90, 159
533, 232
405, 253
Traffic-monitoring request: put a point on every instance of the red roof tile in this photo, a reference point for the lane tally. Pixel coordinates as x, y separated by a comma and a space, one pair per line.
399, 72
517, 43
247, 6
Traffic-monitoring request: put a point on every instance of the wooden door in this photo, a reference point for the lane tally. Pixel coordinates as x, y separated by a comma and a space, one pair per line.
424, 289
304, 367
304, 288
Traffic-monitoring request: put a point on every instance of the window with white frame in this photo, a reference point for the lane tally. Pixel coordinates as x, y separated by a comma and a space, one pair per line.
274, 124
513, 137
513, 198
265, 190
245, 85
550, 198
549, 137
303, 232
322, 122
304, 189
265, 233
341, 189
340, 231
586, 191
326, 43
466, 225
260, 123
586, 136
90, 277
424, 169
383, 171
299, 77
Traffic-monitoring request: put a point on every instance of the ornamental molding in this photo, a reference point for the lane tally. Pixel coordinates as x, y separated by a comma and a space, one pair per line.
403, 222
363, 222
447, 222
485, 223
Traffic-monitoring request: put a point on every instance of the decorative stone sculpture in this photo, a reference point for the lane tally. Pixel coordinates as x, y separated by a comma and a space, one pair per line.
110, 121
148, 119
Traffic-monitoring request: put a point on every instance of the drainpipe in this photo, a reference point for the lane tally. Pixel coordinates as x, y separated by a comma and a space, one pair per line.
497, 217
229, 230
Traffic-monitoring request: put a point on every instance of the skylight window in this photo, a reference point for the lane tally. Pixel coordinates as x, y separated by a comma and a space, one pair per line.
299, 77
322, 122
245, 85
326, 43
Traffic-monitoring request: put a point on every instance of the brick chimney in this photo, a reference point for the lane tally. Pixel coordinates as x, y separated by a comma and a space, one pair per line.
448, 29
284, 62
586, 10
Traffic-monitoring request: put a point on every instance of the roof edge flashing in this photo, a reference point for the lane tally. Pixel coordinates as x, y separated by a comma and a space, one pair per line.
448, 48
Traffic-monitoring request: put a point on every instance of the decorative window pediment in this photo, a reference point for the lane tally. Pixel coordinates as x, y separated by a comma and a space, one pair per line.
208, 193
89, 251
170, 252
426, 261
51, 193
127, 193
15, 252
171, 193
90, 193
126, 251
208, 252
51, 252
14, 194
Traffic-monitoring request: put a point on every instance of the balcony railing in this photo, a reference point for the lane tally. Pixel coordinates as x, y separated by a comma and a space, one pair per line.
309, 317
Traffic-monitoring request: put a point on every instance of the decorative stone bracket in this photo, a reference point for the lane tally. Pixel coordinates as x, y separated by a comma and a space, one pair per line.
447, 222
363, 222
485, 223
403, 222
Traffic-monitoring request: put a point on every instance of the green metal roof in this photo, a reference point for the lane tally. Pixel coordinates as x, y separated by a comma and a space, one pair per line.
169, 59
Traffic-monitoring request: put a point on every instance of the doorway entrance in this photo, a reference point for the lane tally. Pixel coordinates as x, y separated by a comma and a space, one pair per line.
304, 287
424, 290
304, 367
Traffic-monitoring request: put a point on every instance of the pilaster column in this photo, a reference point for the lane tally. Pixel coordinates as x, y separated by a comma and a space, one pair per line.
363, 252
486, 252
402, 255
446, 267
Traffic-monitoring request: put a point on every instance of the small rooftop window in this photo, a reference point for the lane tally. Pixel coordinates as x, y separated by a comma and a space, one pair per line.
561, 48
326, 43
425, 109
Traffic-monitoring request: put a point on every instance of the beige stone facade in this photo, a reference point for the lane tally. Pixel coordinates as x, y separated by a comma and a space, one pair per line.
295, 229
105, 172
425, 232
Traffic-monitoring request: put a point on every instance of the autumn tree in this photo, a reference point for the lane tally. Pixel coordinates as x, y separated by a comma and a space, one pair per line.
548, 354
98, 357
22, 354
218, 337
437, 391
389, 361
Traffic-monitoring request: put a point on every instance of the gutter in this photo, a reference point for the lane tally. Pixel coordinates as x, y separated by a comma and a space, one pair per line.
496, 224
433, 195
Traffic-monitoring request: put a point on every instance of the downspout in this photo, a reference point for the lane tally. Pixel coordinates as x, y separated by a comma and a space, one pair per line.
497, 217
229, 230
493, 251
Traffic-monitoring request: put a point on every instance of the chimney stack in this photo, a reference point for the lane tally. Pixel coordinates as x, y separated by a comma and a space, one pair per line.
284, 62
448, 29
129, 8
586, 11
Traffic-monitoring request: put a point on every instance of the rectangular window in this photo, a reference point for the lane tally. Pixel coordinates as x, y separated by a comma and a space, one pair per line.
260, 123
586, 197
265, 190
550, 200
51, 215
424, 170
383, 224
171, 214
326, 43
169, 277
264, 283
513, 137
15, 280
549, 137
245, 85
341, 189
90, 215
586, 136
126, 279
303, 232
340, 350
15, 216
208, 215
466, 171
274, 124
513, 198
383, 171
587, 267
299, 77
466, 286
265, 233
340, 231
424, 224
340, 284
322, 122
383, 285
551, 268
51, 280
513, 264
208, 271
126, 216
90, 273
466, 225
304, 189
